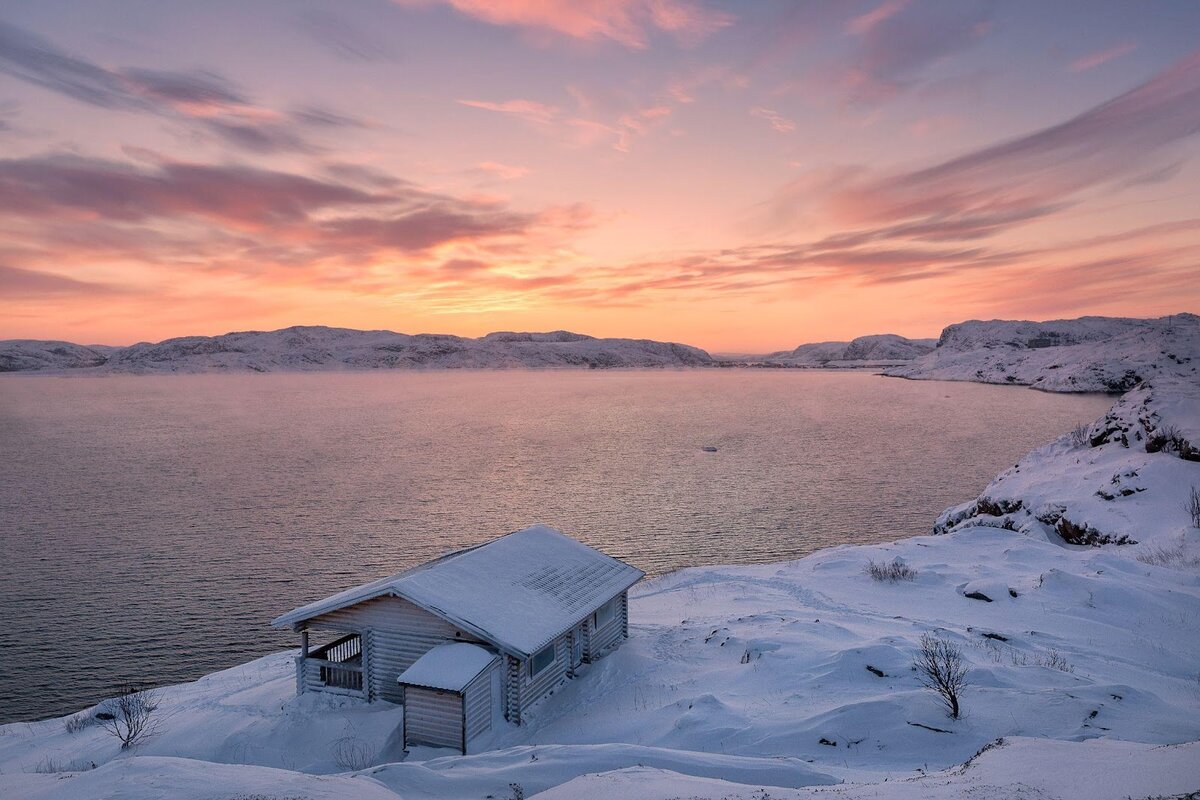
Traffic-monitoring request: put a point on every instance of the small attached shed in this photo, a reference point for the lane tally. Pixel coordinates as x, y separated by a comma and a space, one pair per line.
450, 696
538, 603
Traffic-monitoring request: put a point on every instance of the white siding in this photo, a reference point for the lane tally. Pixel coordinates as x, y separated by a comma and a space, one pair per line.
607, 637
544, 683
478, 699
432, 717
397, 633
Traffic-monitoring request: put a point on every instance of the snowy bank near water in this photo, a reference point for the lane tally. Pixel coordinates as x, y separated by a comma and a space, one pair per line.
787, 678
1089, 354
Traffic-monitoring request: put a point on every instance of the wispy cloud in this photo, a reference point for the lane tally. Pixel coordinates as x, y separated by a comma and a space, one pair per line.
777, 121
250, 221
592, 120
628, 22
504, 172
27, 283
1031, 176
199, 99
1095, 59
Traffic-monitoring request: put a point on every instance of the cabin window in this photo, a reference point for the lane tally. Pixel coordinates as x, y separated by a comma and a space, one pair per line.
541, 661
604, 614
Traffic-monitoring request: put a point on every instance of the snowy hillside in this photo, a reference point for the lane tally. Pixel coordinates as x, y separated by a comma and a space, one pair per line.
876, 350
1126, 477
1089, 354
31, 354
321, 348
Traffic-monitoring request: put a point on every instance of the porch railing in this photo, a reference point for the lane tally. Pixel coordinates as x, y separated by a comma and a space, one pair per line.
336, 667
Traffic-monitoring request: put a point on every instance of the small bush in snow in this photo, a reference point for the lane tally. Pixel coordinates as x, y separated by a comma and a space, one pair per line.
890, 573
50, 766
129, 717
1176, 557
1079, 436
351, 754
1192, 506
1054, 660
942, 668
79, 722
517, 791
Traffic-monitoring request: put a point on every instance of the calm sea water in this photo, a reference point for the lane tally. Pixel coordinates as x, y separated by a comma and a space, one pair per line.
151, 527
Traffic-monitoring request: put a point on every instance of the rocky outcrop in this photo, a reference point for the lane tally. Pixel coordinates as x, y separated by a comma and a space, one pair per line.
1122, 480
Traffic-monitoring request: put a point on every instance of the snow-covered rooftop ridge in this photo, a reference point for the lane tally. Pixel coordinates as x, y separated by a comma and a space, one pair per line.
518, 592
449, 667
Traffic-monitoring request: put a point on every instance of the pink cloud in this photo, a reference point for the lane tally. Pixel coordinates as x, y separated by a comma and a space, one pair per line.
863, 24
1093, 60
778, 122
529, 110
593, 121
629, 22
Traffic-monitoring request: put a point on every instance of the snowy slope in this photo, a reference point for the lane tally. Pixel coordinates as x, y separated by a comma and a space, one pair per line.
1013, 769
1089, 354
321, 348
1126, 477
875, 350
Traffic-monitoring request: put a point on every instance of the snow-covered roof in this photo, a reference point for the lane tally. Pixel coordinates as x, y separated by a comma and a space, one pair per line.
518, 592
448, 666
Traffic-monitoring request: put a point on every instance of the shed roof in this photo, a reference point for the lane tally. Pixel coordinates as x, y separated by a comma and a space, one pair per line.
448, 666
518, 592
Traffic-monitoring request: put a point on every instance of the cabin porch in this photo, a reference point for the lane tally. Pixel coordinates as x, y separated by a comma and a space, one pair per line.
336, 667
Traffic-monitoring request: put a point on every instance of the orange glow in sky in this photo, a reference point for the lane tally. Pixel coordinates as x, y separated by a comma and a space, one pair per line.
742, 177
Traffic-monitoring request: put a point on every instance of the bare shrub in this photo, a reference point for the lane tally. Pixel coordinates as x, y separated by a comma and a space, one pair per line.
1054, 660
351, 754
1192, 506
1079, 436
516, 791
942, 668
51, 766
1162, 556
890, 573
129, 717
79, 722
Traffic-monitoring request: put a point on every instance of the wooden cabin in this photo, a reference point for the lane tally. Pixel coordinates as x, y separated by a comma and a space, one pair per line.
471, 638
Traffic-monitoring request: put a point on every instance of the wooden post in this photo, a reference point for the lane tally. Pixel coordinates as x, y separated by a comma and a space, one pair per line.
462, 705
301, 666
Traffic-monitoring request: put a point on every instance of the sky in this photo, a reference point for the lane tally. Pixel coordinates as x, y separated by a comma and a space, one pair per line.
741, 176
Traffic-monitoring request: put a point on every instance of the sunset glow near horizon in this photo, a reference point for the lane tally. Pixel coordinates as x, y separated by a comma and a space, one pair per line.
739, 176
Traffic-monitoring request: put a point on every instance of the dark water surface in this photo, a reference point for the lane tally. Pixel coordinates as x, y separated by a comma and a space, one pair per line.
151, 527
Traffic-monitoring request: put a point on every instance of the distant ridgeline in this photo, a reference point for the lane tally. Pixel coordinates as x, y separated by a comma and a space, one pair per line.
321, 348
1089, 354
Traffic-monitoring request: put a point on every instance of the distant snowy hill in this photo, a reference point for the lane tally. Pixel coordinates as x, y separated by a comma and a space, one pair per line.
27, 354
321, 348
877, 350
1089, 354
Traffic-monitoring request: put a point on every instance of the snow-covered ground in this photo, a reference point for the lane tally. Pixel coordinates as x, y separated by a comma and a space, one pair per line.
319, 348
783, 679
1089, 354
